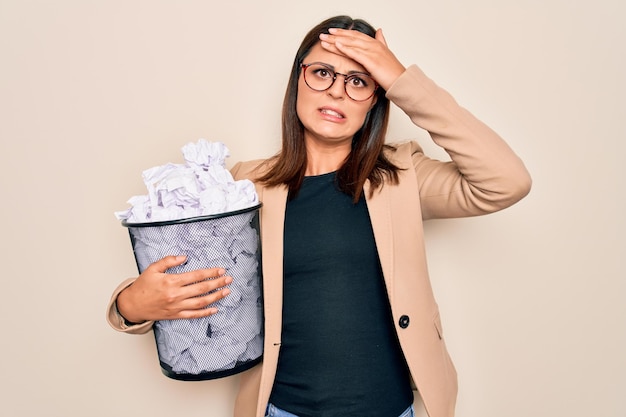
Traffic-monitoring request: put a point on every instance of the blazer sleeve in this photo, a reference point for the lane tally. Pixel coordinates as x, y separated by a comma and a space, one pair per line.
115, 319
484, 174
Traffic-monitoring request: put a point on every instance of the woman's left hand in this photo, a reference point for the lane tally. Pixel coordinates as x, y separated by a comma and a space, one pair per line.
372, 53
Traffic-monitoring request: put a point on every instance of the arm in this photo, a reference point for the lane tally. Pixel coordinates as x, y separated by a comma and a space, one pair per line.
157, 295
117, 321
484, 176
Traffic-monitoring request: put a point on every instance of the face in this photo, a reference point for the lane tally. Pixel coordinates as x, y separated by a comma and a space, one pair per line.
330, 116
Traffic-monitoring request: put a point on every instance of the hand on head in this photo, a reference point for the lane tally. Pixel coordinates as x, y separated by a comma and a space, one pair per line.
371, 53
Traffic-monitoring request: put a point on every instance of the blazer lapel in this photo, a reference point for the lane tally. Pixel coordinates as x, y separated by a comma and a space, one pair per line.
274, 201
379, 209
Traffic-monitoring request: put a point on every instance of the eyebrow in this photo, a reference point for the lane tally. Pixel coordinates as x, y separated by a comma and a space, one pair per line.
335, 71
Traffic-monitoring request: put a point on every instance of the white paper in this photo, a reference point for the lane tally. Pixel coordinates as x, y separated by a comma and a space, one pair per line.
199, 187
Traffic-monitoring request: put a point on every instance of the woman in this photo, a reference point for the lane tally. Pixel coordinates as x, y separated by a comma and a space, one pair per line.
351, 324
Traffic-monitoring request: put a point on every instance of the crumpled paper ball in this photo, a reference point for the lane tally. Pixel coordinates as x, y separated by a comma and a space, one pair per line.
199, 187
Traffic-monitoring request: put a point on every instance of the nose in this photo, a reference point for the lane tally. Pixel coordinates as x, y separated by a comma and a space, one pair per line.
337, 89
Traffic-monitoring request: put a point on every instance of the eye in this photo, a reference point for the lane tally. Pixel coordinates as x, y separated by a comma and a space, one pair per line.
359, 81
322, 72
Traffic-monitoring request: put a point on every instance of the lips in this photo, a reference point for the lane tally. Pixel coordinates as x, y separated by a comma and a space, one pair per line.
332, 113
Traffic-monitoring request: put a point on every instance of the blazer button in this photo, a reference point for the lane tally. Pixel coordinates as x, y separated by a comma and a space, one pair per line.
404, 321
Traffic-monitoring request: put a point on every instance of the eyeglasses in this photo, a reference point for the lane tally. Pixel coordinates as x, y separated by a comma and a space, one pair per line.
320, 77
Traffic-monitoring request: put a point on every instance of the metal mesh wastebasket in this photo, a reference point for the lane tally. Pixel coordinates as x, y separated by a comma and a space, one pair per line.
230, 341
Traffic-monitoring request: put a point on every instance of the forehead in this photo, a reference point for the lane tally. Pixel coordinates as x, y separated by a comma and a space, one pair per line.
340, 63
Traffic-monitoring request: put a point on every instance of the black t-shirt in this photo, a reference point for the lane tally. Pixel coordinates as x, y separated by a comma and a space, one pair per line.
340, 354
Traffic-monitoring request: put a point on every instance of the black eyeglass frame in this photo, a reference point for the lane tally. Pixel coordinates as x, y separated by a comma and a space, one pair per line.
346, 77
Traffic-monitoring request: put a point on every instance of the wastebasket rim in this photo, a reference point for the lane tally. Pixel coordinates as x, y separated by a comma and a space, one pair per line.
125, 223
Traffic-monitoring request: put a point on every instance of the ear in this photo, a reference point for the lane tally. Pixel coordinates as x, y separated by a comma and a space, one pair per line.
374, 101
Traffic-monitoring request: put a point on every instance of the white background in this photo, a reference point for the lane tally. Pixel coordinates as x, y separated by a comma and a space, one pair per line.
94, 92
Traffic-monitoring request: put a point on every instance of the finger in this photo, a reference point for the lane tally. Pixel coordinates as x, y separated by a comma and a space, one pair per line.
330, 47
356, 45
348, 33
380, 37
201, 306
196, 314
337, 47
200, 288
198, 275
346, 39
207, 300
166, 263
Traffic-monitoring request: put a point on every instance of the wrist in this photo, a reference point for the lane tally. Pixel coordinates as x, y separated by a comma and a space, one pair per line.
121, 305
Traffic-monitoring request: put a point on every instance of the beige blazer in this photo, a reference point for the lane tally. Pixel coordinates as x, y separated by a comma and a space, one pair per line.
483, 176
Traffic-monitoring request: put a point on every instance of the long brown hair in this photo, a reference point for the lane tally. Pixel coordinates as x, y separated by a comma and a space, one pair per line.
366, 160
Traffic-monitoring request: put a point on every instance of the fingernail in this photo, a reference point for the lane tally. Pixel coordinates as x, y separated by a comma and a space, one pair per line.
333, 30
228, 280
324, 36
181, 257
